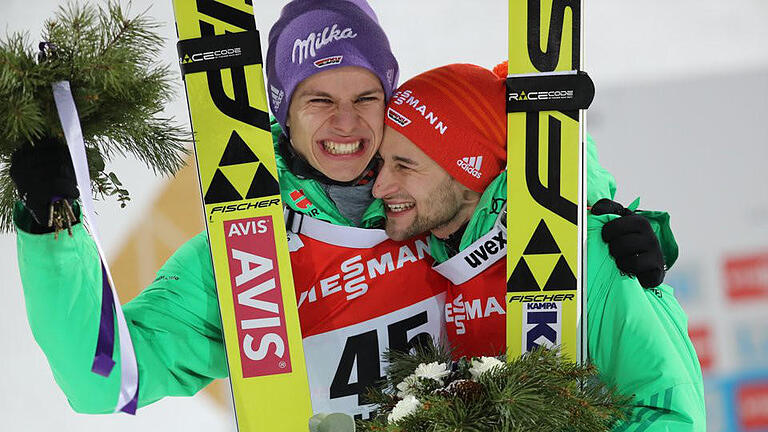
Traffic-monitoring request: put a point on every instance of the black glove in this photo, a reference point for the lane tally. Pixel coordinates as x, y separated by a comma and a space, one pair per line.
632, 243
44, 176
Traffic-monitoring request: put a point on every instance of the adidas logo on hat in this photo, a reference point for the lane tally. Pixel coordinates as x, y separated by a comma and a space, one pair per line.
471, 165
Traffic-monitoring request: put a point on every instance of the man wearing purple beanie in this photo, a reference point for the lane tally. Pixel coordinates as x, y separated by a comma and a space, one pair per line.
330, 74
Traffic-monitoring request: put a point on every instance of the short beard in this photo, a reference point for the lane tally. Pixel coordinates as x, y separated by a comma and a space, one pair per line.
443, 206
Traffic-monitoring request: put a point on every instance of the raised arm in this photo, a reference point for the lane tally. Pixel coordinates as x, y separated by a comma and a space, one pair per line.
174, 322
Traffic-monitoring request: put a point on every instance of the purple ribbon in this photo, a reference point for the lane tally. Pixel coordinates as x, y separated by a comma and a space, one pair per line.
112, 318
130, 407
102, 361
105, 345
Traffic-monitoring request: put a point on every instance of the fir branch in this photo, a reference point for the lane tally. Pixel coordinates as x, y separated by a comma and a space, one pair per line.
8, 194
21, 119
538, 391
120, 90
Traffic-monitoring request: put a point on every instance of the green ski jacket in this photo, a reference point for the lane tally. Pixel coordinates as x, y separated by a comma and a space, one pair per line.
175, 322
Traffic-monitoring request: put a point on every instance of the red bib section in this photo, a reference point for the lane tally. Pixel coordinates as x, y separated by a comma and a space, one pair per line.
475, 314
337, 286
475, 310
360, 294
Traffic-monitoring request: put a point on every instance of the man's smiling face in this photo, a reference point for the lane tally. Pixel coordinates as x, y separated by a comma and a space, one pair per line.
336, 121
418, 194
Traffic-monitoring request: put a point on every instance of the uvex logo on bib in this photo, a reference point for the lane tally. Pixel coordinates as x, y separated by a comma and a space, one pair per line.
257, 296
487, 250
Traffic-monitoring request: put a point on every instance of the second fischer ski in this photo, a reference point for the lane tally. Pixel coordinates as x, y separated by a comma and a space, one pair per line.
547, 95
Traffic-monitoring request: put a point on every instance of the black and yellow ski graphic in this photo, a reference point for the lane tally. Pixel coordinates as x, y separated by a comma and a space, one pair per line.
545, 223
221, 60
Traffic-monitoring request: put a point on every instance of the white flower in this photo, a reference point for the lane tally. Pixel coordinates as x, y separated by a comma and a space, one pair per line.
483, 365
435, 371
407, 387
406, 406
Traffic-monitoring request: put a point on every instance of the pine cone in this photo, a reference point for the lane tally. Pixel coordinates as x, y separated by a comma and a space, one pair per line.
442, 392
465, 389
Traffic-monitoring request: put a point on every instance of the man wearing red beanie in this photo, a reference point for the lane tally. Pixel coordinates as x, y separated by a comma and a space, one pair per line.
444, 154
443, 159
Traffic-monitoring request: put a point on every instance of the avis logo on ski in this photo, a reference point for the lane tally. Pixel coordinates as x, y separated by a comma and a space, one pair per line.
259, 309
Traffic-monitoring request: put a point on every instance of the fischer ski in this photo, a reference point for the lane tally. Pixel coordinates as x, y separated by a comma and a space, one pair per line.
546, 101
221, 62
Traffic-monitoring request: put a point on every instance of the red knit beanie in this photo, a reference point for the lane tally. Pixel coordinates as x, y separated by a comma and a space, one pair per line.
456, 115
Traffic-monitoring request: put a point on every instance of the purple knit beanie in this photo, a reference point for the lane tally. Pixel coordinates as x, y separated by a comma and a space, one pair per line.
312, 36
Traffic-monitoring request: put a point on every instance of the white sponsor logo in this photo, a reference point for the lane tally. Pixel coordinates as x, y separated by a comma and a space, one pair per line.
544, 95
252, 266
454, 312
211, 55
391, 76
304, 48
471, 165
355, 273
250, 227
460, 311
277, 96
398, 118
406, 97
487, 250
294, 242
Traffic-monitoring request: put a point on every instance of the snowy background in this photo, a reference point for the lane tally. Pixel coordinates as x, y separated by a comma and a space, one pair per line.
680, 118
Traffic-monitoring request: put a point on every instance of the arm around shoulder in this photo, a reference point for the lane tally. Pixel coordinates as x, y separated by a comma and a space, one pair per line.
638, 340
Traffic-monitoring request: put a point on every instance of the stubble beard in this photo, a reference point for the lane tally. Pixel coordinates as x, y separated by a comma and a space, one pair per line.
442, 207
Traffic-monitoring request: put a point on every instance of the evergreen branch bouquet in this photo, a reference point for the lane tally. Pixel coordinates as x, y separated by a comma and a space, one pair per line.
425, 391
108, 56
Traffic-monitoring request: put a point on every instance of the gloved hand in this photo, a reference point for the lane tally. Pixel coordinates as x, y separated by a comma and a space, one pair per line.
632, 243
45, 178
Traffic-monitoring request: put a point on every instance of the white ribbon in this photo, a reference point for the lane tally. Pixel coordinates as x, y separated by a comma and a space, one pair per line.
70, 123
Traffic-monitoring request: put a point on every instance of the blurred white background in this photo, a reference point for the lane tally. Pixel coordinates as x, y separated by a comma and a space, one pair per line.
679, 119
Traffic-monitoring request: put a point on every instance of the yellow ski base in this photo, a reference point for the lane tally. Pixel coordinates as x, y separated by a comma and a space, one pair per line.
244, 218
544, 186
